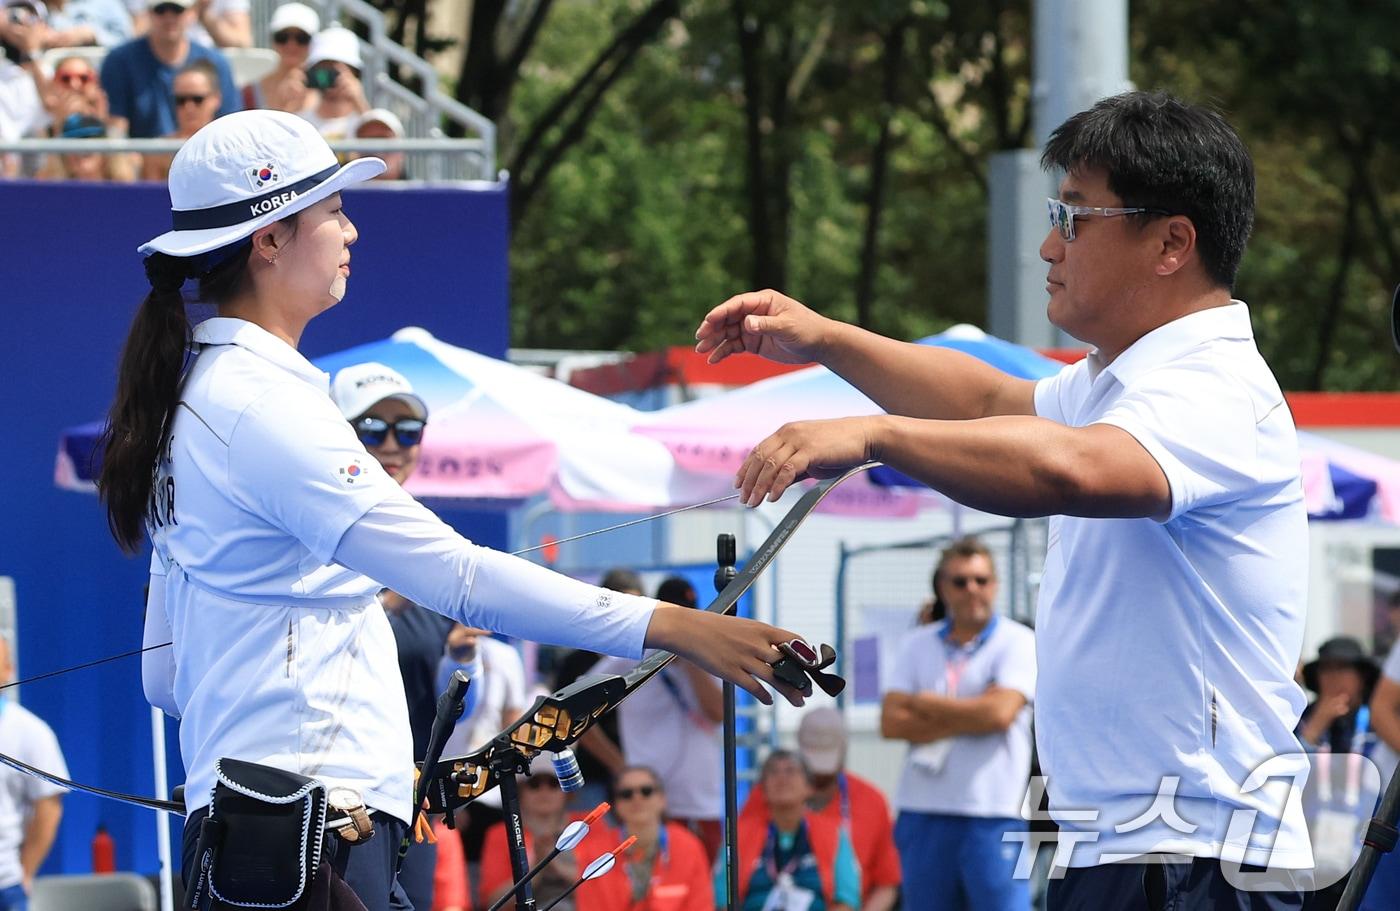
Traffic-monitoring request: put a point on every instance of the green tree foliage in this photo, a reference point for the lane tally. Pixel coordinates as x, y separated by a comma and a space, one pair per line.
839, 151
651, 219
1312, 88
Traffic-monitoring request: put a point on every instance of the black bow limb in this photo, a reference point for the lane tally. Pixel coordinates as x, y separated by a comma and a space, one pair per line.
557, 721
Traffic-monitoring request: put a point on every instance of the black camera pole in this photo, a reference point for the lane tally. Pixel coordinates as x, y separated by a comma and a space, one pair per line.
1381, 833
1380, 839
727, 556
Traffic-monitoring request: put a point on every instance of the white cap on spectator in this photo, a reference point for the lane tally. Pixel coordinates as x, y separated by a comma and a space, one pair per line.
357, 388
384, 116
37, 6
821, 739
297, 16
243, 172
336, 43
152, 4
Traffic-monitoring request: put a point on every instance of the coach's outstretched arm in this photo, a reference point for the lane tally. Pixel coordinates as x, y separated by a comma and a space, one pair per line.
1009, 465
903, 378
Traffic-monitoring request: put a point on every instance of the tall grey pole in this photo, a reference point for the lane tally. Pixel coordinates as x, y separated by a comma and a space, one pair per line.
1079, 55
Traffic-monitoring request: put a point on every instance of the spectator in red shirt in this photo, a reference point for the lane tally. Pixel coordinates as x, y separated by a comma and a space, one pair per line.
847, 800
666, 870
451, 887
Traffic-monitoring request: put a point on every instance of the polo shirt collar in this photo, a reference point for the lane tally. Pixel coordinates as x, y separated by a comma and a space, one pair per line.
226, 330
1175, 338
945, 634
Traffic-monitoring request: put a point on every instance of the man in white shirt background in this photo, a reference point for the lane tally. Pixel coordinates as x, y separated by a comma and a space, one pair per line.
30, 809
960, 692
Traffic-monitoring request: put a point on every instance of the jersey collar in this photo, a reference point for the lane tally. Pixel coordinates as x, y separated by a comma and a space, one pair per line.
1174, 339
945, 633
227, 330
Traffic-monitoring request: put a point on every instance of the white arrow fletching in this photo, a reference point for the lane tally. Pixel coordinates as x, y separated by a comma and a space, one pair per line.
573, 834
599, 867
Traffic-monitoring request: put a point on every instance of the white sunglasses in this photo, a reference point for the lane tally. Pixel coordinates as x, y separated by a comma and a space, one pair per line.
1062, 215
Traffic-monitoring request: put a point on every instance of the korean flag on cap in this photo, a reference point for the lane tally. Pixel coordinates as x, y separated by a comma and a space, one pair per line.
264, 175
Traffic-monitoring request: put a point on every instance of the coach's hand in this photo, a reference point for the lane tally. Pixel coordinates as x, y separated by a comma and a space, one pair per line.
812, 449
732, 648
765, 323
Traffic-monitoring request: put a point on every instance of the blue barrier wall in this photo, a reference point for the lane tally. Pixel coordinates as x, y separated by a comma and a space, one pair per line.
71, 281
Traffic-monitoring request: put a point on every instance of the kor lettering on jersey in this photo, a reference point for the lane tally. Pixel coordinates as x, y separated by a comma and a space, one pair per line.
161, 509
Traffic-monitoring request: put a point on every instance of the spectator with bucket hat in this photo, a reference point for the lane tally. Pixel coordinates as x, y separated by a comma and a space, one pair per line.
1343, 677
1336, 729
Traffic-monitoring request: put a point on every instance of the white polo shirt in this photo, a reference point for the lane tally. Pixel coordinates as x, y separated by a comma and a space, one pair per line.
500, 685
1167, 649
26, 737
974, 774
662, 728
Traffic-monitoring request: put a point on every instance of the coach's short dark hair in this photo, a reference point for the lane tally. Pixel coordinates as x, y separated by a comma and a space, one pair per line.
1162, 153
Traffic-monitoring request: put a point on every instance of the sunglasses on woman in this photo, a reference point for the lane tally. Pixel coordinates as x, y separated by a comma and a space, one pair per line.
288, 35
74, 80
542, 782
182, 100
645, 790
374, 431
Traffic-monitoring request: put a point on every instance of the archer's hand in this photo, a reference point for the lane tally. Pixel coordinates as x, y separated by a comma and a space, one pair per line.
766, 323
814, 449
732, 648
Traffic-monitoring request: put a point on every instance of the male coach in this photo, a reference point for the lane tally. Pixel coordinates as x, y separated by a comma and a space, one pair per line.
1170, 617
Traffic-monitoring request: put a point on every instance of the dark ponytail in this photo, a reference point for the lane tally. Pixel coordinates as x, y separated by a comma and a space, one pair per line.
148, 382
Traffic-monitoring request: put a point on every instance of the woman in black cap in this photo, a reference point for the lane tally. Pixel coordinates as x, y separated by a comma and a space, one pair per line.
273, 529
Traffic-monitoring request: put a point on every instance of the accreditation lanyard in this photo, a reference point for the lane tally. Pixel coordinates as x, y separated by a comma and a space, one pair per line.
843, 787
674, 689
956, 656
770, 853
642, 886
1352, 794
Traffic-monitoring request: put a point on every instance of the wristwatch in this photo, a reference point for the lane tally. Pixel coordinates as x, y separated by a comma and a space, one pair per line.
354, 824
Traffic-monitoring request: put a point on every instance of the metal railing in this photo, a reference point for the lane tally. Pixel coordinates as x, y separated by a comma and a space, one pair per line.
423, 111
435, 159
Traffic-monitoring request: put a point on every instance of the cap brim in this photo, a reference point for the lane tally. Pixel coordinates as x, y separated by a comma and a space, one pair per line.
822, 762
193, 243
420, 408
413, 401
